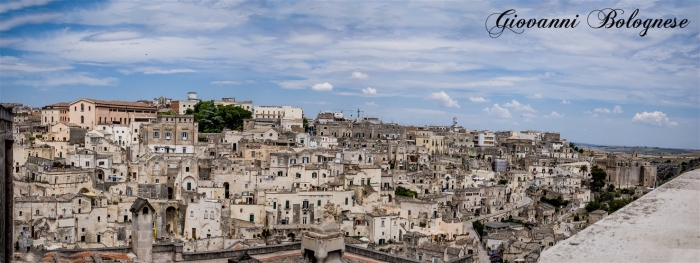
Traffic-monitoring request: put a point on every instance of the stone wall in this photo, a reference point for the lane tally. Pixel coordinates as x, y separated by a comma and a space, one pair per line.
153, 191
231, 253
378, 255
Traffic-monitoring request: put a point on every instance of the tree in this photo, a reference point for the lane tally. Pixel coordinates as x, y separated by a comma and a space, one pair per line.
502, 181
306, 124
593, 205
611, 188
213, 118
479, 227
405, 192
584, 169
617, 204
598, 180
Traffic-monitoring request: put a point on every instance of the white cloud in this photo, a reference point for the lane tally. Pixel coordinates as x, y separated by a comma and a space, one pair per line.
226, 82
587, 112
655, 118
519, 106
9, 63
322, 87
617, 109
497, 111
602, 110
537, 96
565, 102
72, 79
310, 39
444, 99
554, 114
113, 36
359, 75
594, 116
371, 104
16, 5
8, 24
369, 91
478, 99
153, 70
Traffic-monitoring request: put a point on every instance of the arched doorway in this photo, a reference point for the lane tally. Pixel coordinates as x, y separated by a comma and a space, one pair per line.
171, 220
100, 174
84, 190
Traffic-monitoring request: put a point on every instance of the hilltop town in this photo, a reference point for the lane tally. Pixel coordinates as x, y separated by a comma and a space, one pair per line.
224, 175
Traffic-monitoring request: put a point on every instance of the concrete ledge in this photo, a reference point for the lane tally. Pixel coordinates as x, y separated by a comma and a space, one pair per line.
661, 226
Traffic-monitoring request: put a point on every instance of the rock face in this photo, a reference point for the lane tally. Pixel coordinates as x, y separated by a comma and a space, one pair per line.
324, 243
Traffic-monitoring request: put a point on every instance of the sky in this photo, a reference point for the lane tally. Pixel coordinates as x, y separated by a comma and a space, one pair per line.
413, 63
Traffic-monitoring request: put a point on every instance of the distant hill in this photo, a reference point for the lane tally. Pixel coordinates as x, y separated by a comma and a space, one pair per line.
643, 150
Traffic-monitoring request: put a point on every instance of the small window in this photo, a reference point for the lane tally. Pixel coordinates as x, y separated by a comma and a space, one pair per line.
187, 169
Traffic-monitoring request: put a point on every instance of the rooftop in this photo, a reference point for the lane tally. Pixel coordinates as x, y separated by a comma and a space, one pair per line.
661, 226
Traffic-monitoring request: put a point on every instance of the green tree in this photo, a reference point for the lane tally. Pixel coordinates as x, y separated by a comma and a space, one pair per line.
584, 169
617, 204
598, 180
233, 116
611, 188
503, 181
593, 205
306, 124
213, 118
400, 191
479, 227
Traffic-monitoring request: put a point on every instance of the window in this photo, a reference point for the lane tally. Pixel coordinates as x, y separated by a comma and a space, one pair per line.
286, 204
185, 135
156, 134
252, 154
168, 135
252, 218
314, 175
382, 222
191, 213
346, 201
304, 221
64, 212
318, 203
304, 204
189, 186
20, 213
206, 214
298, 175
82, 119
187, 169
82, 107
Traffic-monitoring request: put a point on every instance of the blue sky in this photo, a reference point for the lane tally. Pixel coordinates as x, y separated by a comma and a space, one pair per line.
416, 63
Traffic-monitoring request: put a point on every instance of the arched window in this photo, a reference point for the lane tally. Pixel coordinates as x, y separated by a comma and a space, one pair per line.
82, 107
82, 119
89, 108
189, 186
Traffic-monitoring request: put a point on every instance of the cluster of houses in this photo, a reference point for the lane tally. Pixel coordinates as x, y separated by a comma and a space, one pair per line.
411, 191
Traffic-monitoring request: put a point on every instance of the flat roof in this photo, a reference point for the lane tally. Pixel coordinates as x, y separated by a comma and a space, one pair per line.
661, 226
